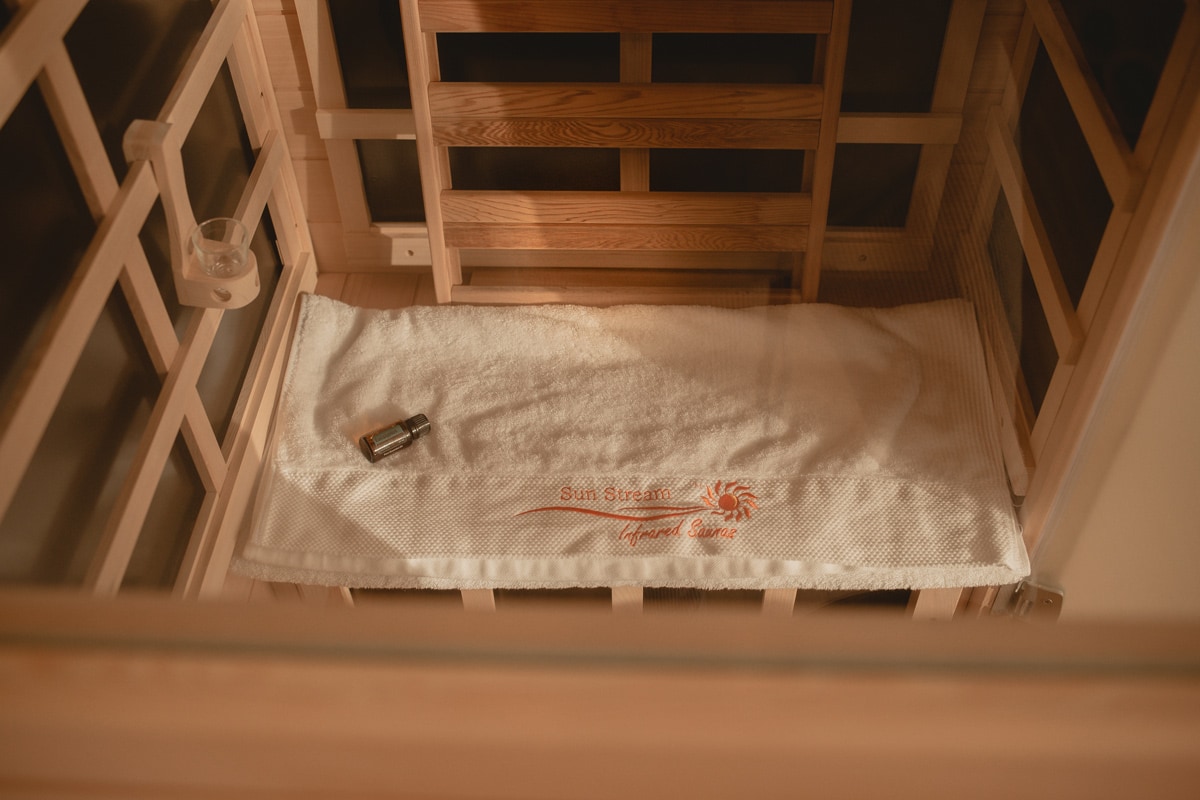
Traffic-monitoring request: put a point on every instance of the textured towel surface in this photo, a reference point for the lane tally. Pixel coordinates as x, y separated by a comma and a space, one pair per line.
805, 445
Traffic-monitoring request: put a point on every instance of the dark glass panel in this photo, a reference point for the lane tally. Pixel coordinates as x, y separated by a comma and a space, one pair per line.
1126, 45
530, 57
128, 54
1070, 194
392, 180
370, 45
218, 160
46, 227
726, 170
63, 503
1026, 319
170, 519
873, 184
893, 54
535, 168
732, 58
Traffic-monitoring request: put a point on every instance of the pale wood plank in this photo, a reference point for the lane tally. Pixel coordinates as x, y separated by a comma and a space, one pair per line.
697, 101
626, 208
935, 604
624, 259
748, 134
1052, 291
345, 170
1096, 119
297, 110
479, 600
366, 123
379, 290
624, 277
592, 296
636, 64
896, 703
330, 284
629, 237
35, 30
421, 53
627, 599
624, 16
282, 43
779, 602
807, 274
314, 179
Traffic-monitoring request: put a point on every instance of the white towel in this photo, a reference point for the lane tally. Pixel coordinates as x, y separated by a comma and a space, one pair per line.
805, 446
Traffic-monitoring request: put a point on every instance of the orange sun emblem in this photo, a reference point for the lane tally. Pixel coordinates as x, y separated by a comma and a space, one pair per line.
731, 500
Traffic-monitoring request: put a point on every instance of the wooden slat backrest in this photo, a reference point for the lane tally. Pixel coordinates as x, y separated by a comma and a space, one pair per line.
633, 116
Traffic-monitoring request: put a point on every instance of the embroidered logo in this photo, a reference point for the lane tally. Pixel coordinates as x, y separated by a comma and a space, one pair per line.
731, 500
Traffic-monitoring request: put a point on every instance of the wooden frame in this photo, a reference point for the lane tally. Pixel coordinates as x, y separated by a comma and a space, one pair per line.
132, 698
406, 245
1077, 330
226, 469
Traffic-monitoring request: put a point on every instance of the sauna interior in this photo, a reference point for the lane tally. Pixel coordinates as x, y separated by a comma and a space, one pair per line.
1024, 155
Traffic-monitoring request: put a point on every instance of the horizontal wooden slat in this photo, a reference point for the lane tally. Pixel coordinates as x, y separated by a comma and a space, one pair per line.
592, 296
629, 237
899, 128
629, 16
749, 134
622, 259
625, 208
450, 101
366, 123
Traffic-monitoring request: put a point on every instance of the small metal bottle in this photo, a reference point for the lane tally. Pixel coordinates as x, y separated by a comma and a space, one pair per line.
396, 436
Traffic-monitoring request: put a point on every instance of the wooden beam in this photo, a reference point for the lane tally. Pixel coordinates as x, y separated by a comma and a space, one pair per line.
626, 208
693, 101
626, 16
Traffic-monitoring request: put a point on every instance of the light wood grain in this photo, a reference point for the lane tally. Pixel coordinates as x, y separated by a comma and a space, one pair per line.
421, 54
626, 208
749, 134
680, 16
806, 276
456, 101
627, 599
629, 237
